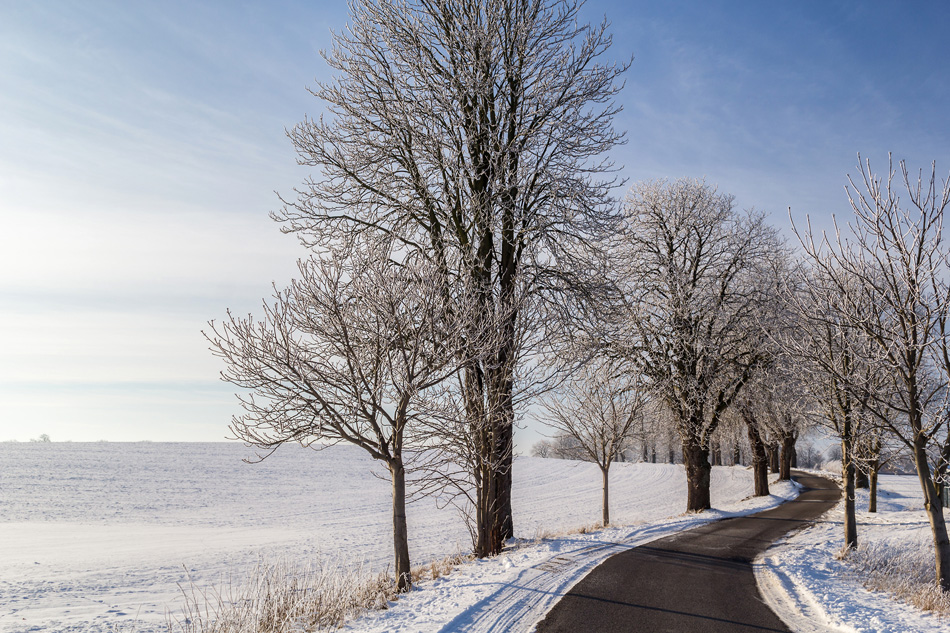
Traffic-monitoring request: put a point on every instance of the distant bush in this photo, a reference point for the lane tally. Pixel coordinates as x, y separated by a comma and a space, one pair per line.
902, 568
42, 438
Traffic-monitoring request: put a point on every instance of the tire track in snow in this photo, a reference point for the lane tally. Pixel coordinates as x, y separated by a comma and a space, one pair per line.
519, 604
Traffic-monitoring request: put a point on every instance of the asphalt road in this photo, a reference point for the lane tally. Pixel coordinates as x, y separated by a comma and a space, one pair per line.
696, 581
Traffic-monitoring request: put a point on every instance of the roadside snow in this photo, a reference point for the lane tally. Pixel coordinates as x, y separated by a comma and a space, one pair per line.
98, 535
811, 591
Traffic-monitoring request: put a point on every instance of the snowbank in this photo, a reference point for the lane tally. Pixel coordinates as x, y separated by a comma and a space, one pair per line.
812, 591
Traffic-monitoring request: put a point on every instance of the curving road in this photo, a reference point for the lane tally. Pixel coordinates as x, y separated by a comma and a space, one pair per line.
697, 581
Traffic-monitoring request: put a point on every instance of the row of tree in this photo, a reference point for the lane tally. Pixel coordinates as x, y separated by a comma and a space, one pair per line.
719, 319
468, 257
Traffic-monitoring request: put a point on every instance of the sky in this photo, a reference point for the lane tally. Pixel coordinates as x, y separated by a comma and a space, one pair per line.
142, 146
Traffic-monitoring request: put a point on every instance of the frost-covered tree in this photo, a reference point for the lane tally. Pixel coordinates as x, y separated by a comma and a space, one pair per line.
599, 408
693, 274
836, 365
889, 274
344, 354
471, 131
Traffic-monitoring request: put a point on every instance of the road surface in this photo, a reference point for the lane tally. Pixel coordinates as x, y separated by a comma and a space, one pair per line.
699, 581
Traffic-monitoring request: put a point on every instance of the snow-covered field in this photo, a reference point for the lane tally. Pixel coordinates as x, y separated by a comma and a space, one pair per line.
93, 535
813, 591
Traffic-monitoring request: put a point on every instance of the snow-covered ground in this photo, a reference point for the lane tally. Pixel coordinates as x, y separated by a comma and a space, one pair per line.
93, 535
811, 590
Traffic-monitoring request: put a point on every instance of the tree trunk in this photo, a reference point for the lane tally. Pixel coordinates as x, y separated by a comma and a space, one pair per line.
400, 531
861, 479
605, 472
736, 454
715, 453
504, 480
646, 453
698, 471
672, 454
934, 509
872, 501
760, 460
788, 454
653, 454
773, 457
850, 520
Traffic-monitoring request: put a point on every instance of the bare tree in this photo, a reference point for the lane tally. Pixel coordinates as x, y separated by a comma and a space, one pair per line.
598, 408
542, 448
895, 251
752, 408
471, 131
691, 270
345, 354
836, 364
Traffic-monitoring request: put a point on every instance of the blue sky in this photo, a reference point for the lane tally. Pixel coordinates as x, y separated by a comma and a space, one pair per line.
141, 145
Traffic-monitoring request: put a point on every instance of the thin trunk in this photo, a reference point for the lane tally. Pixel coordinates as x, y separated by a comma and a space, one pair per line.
872, 501
760, 460
698, 469
715, 453
400, 531
653, 453
605, 471
736, 454
850, 520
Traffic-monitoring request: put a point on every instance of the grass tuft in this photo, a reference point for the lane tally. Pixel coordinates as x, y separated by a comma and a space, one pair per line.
280, 598
904, 569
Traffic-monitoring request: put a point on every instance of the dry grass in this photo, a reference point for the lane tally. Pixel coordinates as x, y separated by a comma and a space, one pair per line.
282, 597
438, 568
543, 534
287, 598
904, 569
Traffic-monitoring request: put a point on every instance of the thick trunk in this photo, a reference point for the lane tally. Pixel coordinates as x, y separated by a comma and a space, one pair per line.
400, 531
760, 461
503, 478
773, 457
698, 471
850, 520
605, 472
934, 509
492, 434
788, 453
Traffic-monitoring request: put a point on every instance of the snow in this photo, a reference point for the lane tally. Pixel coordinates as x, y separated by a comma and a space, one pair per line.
98, 535
812, 591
